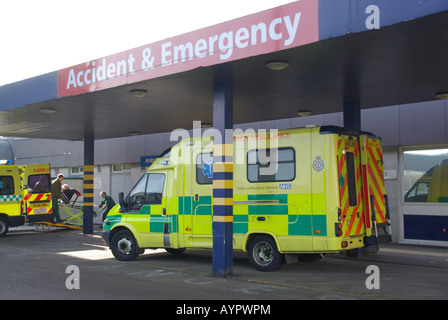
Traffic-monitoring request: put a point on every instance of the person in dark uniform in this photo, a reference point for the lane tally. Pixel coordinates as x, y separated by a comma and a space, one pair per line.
106, 204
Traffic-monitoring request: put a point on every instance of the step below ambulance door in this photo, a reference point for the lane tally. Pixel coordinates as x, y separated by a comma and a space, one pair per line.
350, 186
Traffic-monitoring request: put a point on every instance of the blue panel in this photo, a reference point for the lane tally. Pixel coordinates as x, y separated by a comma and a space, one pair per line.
426, 227
22, 93
340, 17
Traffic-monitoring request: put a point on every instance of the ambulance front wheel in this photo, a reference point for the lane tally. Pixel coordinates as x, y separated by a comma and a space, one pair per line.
124, 246
263, 254
4, 226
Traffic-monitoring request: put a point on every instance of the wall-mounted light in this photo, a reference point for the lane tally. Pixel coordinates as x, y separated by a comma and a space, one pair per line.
134, 133
139, 93
47, 110
304, 113
277, 65
442, 95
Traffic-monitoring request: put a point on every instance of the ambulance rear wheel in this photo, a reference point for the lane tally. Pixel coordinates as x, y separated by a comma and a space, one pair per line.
124, 246
4, 226
263, 254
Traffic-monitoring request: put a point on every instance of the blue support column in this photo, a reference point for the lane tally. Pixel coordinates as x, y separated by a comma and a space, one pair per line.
223, 179
88, 184
352, 115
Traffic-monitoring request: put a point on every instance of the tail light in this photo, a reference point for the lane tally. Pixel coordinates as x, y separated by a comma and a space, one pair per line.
339, 215
338, 229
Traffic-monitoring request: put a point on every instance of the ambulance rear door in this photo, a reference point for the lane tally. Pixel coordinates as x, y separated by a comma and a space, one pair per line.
36, 184
350, 186
372, 169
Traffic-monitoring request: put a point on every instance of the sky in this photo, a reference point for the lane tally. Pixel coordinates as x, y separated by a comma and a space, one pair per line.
41, 36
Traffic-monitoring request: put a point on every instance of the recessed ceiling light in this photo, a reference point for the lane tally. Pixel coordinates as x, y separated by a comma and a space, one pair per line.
48, 110
206, 125
304, 113
277, 65
442, 95
139, 93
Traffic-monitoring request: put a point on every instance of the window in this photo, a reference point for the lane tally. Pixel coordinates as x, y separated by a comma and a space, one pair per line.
262, 165
351, 177
204, 168
149, 190
77, 170
425, 175
121, 167
6, 185
39, 183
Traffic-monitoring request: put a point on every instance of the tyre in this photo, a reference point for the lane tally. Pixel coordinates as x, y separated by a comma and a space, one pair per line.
4, 226
124, 246
263, 254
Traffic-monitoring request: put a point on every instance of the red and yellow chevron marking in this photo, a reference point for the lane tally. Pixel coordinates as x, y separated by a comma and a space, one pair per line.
38, 203
376, 178
352, 224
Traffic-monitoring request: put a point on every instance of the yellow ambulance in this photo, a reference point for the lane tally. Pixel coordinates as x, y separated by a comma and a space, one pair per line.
432, 186
11, 199
325, 195
25, 195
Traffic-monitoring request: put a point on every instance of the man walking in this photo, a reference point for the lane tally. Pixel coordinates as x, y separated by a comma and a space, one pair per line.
56, 196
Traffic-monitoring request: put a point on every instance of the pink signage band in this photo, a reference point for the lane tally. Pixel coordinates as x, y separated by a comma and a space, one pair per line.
277, 29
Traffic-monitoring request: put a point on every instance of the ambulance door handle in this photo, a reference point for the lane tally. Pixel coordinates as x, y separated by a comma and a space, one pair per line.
196, 197
163, 211
261, 218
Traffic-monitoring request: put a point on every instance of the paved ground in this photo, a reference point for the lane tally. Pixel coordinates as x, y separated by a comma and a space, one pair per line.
34, 266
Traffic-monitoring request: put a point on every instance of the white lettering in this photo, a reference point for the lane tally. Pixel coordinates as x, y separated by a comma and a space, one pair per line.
87, 81
121, 68
226, 45
111, 71
373, 21
71, 79
182, 50
166, 53
292, 29
78, 80
101, 71
131, 61
281, 29
255, 28
272, 33
241, 38
211, 44
200, 48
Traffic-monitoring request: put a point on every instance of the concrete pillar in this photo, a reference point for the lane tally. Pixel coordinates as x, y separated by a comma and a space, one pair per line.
89, 149
352, 115
223, 179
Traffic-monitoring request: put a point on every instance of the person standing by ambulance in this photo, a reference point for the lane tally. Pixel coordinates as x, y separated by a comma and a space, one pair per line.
56, 196
106, 204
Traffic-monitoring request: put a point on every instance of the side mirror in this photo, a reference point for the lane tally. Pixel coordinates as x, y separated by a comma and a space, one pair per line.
121, 200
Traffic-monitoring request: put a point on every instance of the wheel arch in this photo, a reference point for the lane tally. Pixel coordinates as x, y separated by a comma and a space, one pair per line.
253, 234
119, 227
